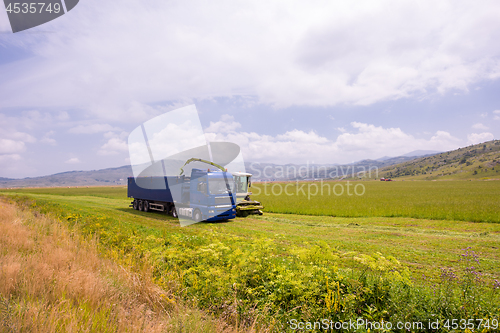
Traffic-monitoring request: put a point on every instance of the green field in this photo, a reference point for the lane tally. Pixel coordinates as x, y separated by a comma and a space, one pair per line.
388, 258
475, 201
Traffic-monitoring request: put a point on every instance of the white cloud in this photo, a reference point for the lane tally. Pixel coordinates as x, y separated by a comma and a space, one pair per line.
9, 158
362, 142
441, 141
35, 119
369, 136
375, 141
115, 144
12, 164
92, 129
225, 125
25, 137
62, 116
497, 115
73, 160
301, 136
24, 126
480, 126
8, 131
48, 139
8, 146
475, 138
109, 135
285, 53
113, 147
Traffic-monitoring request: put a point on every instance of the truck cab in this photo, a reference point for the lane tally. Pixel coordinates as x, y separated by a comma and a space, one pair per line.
211, 195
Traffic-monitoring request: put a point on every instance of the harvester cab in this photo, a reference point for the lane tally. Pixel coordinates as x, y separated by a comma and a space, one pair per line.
245, 206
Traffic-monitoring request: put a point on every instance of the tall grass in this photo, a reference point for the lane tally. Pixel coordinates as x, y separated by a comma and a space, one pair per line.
54, 280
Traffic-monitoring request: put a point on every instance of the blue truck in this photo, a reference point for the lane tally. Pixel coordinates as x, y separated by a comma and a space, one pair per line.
203, 196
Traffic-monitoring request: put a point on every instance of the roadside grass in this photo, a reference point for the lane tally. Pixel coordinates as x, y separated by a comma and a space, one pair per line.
264, 271
52, 279
440, 200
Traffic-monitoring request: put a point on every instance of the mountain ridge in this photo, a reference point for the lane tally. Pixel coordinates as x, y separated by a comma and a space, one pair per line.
479, 161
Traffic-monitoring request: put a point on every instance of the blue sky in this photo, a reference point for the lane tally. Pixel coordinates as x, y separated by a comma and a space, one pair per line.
290, 82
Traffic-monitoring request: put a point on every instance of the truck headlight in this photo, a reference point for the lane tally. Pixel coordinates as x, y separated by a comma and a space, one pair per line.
211, 211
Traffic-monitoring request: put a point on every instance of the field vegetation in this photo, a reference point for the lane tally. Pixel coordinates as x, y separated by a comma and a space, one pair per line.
52, 279
263, 272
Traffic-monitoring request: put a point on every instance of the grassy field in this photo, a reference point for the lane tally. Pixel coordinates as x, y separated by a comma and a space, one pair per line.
264, 271
475, 201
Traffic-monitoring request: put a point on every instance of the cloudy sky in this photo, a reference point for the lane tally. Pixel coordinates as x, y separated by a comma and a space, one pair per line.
290, 82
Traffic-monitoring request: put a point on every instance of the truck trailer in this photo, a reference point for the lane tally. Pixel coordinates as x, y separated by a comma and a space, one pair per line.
203, 196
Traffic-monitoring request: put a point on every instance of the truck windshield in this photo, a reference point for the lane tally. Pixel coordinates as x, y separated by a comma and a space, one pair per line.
241, 184
218, 185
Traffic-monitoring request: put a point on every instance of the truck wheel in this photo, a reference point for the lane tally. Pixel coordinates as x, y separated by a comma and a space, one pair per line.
135, 205
197, 216
140, 206
174, 213
145, 206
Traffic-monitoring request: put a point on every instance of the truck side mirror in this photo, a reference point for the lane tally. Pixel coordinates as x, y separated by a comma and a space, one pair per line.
249, 183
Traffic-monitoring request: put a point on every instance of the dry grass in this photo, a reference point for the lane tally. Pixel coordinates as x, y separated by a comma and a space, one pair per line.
53, 280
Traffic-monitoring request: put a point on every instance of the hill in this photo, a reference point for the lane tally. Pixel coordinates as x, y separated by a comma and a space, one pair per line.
111, 176
480, 161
